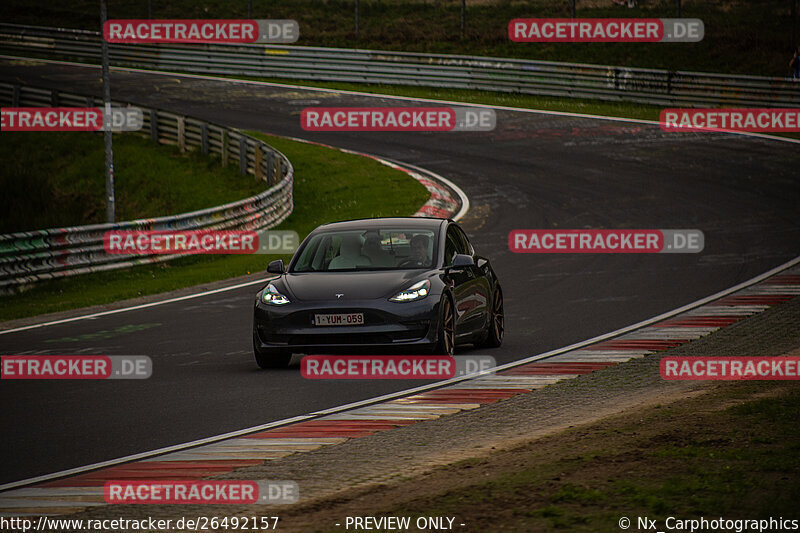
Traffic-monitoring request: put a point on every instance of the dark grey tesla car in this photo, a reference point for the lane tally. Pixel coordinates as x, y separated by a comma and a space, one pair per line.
382, 284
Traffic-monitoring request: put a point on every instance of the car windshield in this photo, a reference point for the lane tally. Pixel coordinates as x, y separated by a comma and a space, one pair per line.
367, 249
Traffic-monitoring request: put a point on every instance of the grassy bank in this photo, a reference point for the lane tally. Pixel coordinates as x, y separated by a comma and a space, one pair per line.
329, 185
52, 180
731, 453
516, 100
740, 37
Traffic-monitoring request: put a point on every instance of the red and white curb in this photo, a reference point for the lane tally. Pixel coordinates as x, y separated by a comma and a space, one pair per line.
79, 492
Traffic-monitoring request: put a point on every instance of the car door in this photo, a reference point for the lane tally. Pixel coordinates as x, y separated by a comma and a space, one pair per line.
476, 303
459, 277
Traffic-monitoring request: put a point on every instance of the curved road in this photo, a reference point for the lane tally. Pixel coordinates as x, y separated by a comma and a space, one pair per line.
535, 171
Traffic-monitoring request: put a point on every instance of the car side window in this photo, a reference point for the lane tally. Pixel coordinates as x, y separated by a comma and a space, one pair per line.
452, 246
464, 246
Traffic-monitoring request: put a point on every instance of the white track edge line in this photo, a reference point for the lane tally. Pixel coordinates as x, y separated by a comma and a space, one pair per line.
135, 307
407, 392
145, 455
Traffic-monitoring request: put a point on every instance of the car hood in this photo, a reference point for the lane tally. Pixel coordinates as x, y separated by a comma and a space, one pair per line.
364, 285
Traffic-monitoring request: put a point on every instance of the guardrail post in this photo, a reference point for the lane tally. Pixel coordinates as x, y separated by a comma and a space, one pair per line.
277, 166
89, 101
182, 134
259, 172
204, 138
154, 125
463, 18
15, 96
242, 156
270, 167
224, 141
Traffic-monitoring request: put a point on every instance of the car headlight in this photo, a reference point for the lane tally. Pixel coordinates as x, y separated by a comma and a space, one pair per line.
417, 291
271, 296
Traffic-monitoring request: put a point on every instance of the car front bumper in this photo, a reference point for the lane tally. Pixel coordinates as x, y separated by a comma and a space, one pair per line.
387, 325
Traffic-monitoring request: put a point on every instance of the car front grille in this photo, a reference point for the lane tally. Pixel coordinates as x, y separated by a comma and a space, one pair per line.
340, 338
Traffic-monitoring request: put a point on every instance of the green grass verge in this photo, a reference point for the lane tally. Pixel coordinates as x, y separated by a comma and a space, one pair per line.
52, 180
329, 186
752, 37
522, 101
733, 454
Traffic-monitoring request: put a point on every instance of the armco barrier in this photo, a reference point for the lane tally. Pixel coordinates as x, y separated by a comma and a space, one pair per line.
32, 256
660, 87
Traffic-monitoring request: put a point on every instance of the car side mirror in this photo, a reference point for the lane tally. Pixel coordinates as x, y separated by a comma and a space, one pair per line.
462, 261
275, 267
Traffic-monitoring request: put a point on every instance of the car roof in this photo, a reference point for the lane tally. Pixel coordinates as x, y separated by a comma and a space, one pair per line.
375, 223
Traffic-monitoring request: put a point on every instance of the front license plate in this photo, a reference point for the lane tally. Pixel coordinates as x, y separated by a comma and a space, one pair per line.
340, 319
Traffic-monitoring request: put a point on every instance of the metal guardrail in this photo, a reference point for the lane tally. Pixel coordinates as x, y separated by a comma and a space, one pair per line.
651, 86
32, 256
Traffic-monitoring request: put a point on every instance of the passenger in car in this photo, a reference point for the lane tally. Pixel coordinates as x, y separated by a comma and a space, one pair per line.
350, 255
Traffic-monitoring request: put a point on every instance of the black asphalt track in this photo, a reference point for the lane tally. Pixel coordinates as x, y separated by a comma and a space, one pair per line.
534, 171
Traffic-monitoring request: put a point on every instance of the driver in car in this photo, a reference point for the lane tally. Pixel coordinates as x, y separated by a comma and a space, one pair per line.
419, 251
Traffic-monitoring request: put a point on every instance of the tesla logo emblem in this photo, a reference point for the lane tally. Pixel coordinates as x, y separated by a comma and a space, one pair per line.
339, 295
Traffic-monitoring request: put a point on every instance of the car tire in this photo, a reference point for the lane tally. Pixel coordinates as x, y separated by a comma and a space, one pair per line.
270, 357
495, 330
446, 341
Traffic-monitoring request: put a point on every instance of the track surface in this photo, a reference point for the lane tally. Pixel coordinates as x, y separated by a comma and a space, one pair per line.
534, 171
